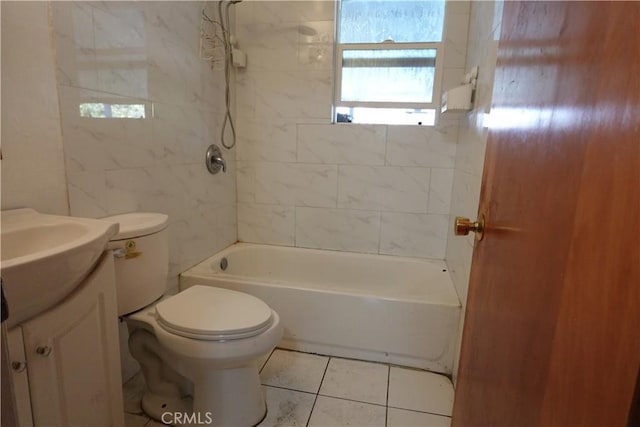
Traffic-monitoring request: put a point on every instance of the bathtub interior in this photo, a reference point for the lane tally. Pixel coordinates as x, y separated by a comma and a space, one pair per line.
362, 274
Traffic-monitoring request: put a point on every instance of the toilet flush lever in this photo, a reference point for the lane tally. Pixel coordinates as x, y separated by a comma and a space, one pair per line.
214, 160
129, 251
119, 252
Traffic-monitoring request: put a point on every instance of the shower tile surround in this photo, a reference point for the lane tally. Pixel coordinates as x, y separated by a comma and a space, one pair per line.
300, 180
304, 182
388, 186
144, 53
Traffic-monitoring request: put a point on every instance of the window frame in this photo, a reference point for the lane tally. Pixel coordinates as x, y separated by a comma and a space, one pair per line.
437, 78
339, 48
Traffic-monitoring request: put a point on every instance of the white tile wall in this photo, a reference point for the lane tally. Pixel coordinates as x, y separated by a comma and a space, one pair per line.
296, 184
456, 30
337, 229
289, 158
125, 53
422, 146
363, 188
484, 32
292, 95
270, 224
245, 181
395, 189
266, 141
440, 191
33, 172
342, 144
406, 234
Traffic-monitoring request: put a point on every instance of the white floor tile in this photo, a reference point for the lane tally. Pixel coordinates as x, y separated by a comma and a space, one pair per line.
296, 371
330, 412
404, 418
287, 408
353, 393
131, 420
356, 380
420, 391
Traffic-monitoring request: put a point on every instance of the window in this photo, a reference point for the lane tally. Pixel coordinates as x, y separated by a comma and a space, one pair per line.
388, 61
101, 110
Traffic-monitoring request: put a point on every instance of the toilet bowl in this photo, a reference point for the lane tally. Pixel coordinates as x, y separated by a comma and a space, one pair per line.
197, 349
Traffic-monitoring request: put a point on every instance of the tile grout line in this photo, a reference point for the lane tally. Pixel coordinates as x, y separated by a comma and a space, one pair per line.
318, 393
289, 389
386, 411
420, 412
353, 400
265, 362
356, 401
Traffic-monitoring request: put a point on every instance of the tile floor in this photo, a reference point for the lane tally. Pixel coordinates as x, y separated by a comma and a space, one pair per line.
319, 391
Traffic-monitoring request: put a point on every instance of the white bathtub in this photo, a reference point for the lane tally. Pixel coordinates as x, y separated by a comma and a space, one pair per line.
387, 309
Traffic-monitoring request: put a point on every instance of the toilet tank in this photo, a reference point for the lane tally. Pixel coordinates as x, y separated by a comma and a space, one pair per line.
141, 251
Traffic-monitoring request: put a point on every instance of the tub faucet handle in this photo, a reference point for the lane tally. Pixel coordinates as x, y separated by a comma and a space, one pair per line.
214, 160
220, 161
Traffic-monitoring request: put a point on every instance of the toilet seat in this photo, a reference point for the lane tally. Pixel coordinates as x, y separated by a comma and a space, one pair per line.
213, 314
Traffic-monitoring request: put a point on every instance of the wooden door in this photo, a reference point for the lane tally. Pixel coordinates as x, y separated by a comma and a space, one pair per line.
552, 331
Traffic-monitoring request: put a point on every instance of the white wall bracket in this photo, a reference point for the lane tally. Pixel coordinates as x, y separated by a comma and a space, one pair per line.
461, 98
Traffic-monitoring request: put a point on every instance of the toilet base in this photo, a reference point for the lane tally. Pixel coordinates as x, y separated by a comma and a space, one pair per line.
165, 409
221, 376
234, 396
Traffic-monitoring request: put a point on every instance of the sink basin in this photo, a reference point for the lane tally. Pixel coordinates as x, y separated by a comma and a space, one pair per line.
45, 257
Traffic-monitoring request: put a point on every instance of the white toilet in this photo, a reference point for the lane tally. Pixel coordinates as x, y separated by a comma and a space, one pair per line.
197, 349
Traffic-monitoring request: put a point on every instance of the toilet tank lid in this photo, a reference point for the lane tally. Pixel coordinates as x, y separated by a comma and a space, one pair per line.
138, 224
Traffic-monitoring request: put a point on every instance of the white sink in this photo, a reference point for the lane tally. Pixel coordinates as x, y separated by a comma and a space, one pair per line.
45, 257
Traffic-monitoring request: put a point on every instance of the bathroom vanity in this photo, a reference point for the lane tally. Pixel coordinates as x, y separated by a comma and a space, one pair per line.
62, 331
65, 362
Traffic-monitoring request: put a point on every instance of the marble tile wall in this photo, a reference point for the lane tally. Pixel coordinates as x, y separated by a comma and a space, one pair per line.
304, 182
33, 173
484, 33
144, 53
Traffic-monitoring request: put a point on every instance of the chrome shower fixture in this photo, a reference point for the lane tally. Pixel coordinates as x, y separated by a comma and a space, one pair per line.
228, 47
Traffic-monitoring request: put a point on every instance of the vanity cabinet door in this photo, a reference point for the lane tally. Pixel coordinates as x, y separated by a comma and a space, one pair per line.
72, 356
18, 362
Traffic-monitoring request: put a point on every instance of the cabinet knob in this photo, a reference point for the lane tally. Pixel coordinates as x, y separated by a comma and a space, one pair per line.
43, 350
18, 366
